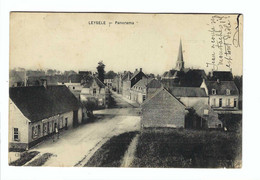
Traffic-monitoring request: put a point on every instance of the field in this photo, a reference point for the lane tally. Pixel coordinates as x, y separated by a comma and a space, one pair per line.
182, 148
112, 152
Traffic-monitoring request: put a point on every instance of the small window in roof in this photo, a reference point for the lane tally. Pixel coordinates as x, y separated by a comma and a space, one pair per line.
228, 91
214, 91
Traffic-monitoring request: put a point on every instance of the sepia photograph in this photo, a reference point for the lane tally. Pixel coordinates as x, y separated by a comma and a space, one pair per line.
131, 90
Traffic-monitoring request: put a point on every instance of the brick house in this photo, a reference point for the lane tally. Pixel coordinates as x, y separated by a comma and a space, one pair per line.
95, 90
35, 112
163, 110
152, 87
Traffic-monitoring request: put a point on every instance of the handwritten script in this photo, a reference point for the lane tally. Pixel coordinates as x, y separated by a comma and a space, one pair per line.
223, 37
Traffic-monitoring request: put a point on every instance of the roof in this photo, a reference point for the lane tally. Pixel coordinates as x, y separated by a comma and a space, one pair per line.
38, 103
222, 75
90, 82
159, 91
75, 78
127, 76
136, 73
188, 92
154, 83
143, 82
221, 87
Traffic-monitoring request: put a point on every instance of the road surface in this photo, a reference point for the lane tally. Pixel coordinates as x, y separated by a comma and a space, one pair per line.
76, 146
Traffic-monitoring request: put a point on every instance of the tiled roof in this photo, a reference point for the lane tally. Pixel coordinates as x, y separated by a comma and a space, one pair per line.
126, 75
222, 75
154, 84
188, 92
160, 91
90, 82
37, 102
143, 82
221, 87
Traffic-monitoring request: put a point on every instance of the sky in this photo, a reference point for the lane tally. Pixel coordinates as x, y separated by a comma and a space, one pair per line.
75, 41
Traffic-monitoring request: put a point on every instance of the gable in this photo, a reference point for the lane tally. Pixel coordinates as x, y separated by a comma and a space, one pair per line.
163, 96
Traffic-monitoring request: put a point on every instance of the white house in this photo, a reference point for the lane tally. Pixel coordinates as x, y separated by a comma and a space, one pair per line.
35, 112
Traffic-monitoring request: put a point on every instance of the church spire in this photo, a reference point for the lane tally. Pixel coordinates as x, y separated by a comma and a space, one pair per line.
180, 62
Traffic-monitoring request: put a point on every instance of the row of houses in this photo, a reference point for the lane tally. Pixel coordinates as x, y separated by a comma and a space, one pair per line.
169, 101
36, 111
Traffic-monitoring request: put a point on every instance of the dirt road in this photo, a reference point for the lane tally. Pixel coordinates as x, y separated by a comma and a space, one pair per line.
76, 146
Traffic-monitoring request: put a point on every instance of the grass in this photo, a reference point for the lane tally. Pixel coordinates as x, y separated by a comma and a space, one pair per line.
112, 152
25, 157
188, 149
41, 160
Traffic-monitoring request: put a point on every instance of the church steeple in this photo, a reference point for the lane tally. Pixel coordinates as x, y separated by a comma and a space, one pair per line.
180, 62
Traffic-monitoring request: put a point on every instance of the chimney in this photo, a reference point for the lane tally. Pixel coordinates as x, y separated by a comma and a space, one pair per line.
141, 69
136, 69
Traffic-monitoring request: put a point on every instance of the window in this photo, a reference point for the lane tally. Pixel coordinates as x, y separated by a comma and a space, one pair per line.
94, 91
16, 134
227, 92
214, 102
235, 102
228, 102
45, 128
144, 98
214, 91
220, 102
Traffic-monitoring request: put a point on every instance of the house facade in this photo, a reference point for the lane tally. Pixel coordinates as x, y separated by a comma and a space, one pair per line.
190, 95
95, 91
138, 92
35, 112
126, 84
223, 95
163, 110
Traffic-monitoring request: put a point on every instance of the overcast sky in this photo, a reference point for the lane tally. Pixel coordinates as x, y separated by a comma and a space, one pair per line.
67, 41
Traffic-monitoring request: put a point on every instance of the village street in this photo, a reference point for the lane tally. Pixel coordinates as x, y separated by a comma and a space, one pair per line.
76, 146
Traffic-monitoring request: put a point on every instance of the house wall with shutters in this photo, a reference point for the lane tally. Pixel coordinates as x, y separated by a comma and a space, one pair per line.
36, 133
163, 110
17, 120
214, 101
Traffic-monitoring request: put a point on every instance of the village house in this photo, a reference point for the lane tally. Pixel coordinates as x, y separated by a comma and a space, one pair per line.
74, 84
223, 95
138, 92
35, 112
190, 95
126, 84
130, 80
108, 83
95, 90
163, 110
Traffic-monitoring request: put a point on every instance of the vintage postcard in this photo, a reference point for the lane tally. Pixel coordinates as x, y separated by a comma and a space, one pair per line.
125, 90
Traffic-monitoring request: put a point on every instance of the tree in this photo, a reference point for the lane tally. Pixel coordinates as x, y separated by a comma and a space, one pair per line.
101, 71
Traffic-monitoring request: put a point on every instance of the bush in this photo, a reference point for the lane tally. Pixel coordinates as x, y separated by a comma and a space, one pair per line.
25, 157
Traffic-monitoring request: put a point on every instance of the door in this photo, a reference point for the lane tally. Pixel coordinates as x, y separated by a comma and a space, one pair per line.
220, 102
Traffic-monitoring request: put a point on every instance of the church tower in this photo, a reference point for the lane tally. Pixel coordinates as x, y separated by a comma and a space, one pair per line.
180, 62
